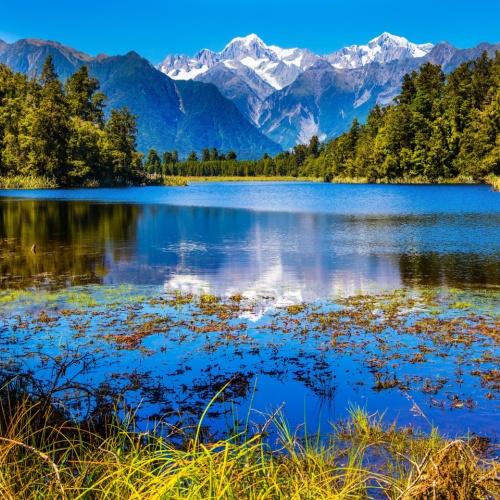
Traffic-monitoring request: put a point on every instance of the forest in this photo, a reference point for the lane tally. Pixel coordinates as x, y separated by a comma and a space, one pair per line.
56, 135
440, 127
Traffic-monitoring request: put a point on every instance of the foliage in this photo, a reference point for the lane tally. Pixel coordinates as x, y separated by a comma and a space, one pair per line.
56, 132
440, 128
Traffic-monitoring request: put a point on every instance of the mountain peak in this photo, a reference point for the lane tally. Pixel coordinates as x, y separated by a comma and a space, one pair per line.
272, 65
248, 40
278, 67
382, 49
387, 37
248, 46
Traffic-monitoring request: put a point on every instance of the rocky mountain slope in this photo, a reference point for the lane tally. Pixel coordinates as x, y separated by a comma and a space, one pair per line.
292, 94
171, 115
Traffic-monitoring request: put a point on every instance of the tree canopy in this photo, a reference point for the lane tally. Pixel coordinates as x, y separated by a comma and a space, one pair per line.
59, 132
439, 127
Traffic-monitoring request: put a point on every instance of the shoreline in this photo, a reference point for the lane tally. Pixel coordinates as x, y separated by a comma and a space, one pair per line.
18, 183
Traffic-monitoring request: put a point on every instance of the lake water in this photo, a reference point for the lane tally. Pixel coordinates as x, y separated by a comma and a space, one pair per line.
299, 241
91, 265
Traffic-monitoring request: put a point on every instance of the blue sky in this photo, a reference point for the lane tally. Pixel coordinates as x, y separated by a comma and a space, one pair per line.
155, 28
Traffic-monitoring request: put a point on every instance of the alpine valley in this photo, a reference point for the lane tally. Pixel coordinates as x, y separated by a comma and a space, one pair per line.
250, 97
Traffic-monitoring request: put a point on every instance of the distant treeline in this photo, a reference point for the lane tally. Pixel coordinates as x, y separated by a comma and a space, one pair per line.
440, 127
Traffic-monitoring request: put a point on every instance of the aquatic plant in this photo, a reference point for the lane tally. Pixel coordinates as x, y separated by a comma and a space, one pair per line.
27, 182
43, 454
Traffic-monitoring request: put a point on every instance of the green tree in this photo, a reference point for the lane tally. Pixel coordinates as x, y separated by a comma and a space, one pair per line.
120, 145
313, 148
205, 155
83, 98
214, 154
153, 162
47, 126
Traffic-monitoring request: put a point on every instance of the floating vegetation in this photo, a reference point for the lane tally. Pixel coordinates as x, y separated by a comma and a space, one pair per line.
168, 351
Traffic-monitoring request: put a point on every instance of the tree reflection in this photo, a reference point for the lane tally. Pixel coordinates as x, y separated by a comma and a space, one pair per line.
455, 270
58, 243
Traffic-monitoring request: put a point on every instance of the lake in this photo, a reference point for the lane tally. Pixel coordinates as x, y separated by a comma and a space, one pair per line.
302, 240
312, 295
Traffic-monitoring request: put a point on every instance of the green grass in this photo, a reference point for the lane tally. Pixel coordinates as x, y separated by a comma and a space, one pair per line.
44, 455
174, 181
403, 180
494, 181
27, 182
258, 178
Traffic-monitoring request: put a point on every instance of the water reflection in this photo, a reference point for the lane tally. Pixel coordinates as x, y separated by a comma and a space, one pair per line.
61, 243
292, 256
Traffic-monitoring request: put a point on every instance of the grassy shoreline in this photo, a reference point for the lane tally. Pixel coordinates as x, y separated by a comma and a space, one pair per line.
27, 182
262, 178
44, 455
20, 182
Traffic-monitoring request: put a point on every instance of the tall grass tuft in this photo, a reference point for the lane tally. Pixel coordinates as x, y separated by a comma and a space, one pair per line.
44, 455
171, 180
494, 181
27, 182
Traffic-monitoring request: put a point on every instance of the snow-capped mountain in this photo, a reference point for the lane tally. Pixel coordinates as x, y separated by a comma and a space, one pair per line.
279, 67
182, 115
249, 97
248, 71
382, 49
275, 66
292, 94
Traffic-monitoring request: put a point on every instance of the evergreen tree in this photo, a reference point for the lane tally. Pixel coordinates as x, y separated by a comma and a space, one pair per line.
120, 144
214, 154
192, 156
48, 126
153, 163
83, 98
313, 149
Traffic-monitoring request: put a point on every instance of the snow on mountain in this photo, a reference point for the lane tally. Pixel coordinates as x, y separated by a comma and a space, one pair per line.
180, 67
276, 66
279, 67
382, 49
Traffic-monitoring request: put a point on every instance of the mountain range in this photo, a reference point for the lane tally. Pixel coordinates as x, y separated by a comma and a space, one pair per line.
249, 97
292, 94
171, 115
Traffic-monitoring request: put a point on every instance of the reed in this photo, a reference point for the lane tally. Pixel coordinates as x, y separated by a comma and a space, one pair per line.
494, 181
171, 180
45, 455
27, 182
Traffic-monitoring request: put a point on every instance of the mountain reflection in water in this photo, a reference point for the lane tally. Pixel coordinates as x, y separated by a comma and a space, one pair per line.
295, 256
